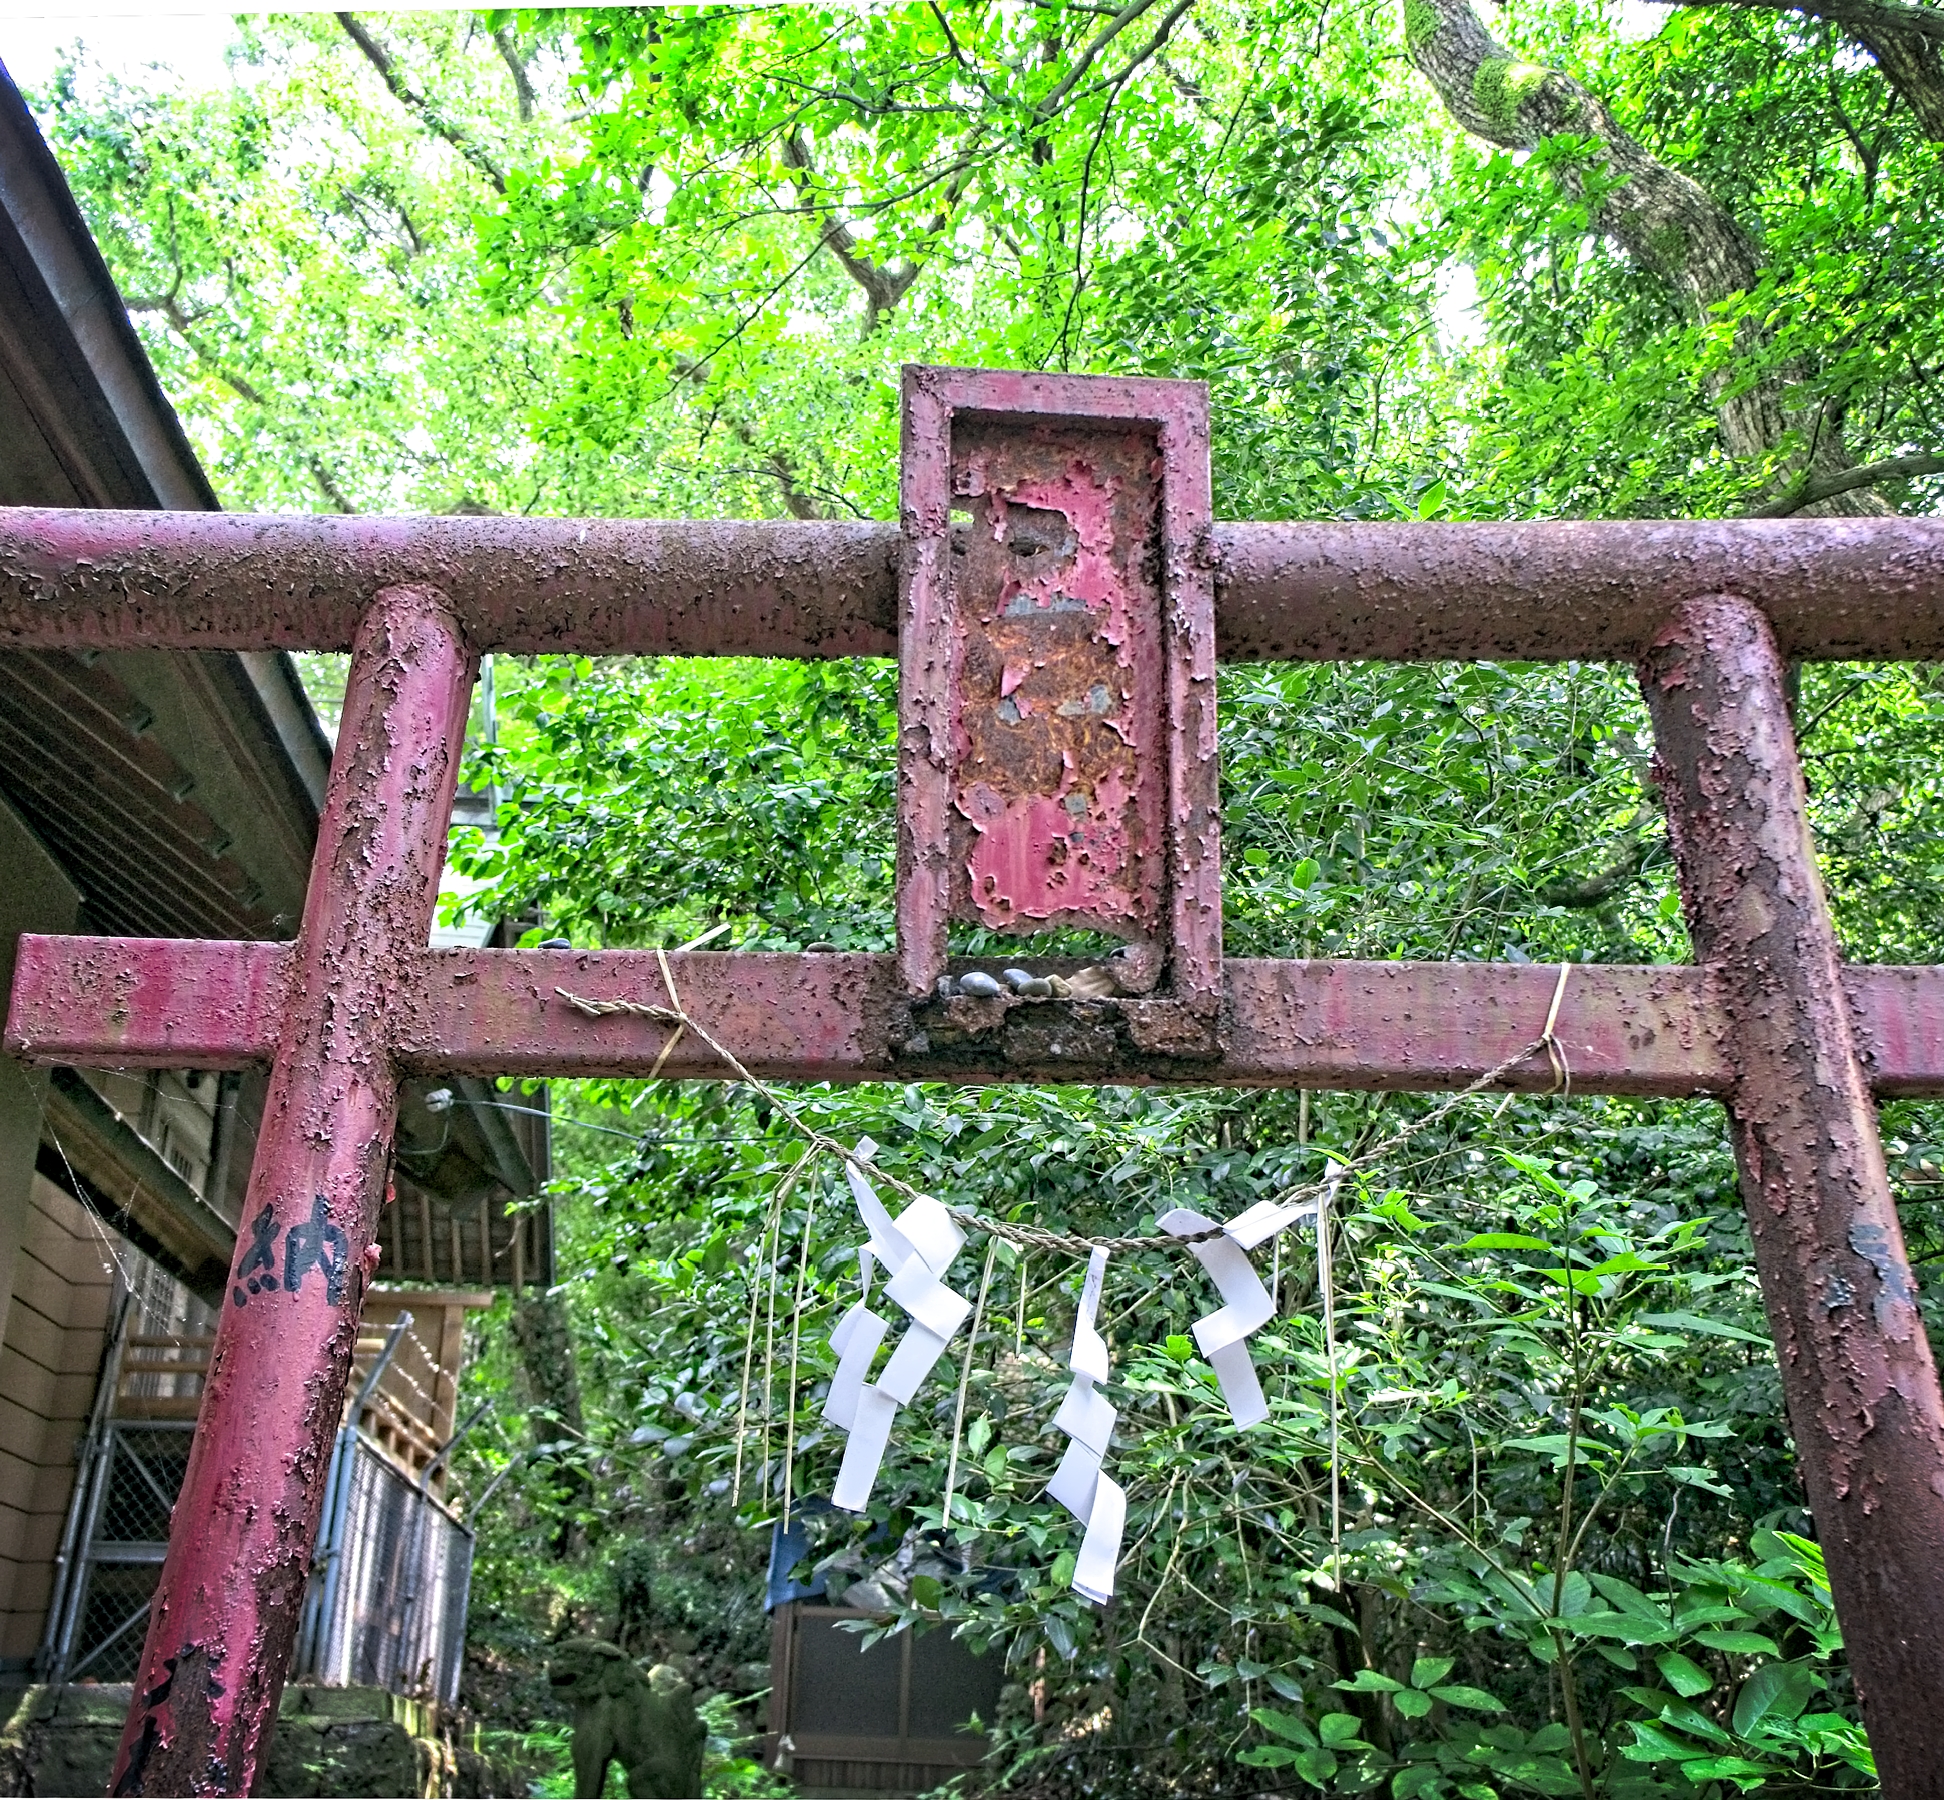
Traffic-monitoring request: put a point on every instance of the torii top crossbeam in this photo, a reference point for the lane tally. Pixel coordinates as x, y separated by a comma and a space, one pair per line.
1057, 766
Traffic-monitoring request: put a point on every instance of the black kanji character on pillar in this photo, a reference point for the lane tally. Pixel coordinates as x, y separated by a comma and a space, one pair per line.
263, 1256
317, 1243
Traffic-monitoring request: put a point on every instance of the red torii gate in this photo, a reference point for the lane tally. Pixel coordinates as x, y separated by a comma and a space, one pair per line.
1057, 764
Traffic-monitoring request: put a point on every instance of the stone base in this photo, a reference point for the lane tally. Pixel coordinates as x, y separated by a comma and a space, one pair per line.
329, 1741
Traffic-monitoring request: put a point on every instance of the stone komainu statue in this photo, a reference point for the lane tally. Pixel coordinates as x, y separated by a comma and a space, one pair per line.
646, 1721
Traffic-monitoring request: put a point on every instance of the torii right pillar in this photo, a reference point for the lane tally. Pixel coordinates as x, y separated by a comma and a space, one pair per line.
1858, 1378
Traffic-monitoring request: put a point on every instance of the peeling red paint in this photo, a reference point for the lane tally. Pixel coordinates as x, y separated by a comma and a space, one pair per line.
1057, 754
1312, 591
1858, 1377
1056, 692
225, 1612
1416, 1027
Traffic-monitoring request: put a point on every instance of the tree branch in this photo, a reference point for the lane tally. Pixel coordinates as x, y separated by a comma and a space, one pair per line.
1875, 15
1661, 217
883, 287
1151, 48
327, 484
516, 67
1813, 488
170, 309
1624, 866
408, 97
1906, 41
1085, 60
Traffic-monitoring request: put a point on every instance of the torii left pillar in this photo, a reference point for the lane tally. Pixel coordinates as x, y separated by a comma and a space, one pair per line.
224, 1618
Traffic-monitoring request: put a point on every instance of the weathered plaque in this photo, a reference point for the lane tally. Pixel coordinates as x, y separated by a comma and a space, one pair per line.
1057, 707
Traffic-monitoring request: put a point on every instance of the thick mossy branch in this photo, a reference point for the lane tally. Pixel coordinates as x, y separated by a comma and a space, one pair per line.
1906, 41
1664, 220
1657, 214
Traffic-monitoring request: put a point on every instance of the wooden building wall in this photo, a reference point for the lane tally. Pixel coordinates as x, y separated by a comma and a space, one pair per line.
64, 1284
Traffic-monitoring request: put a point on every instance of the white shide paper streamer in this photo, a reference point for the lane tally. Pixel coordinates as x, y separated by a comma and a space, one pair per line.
1079, 1484
1224, 1335
916, 1249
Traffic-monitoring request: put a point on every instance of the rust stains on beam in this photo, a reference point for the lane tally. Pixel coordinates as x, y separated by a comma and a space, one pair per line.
226, 1608
1588, 591
1831, 588
1411, 1027
587, 587
1858, 1378
147, 1003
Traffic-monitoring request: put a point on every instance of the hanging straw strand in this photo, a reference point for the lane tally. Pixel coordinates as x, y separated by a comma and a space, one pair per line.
1032, 1237
796, 1333
1325, 1279
965, 1381
756, 1293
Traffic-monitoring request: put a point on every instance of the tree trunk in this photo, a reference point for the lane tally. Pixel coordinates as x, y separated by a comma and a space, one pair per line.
1665, 221
1914, 66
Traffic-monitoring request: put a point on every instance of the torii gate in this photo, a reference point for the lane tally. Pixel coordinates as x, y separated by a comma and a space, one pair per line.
1057, 765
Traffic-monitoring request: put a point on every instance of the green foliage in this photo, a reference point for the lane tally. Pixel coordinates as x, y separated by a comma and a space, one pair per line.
646, 801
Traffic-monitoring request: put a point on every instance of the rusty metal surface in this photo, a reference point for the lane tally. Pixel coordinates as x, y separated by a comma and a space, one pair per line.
1897, 1014
226, 1610
1057, 760
178, 1004
843, 1018
1055, 708
1858, 1377
1585, 590
153, 1003
1833, 588
1391, 1026
595, 586
1772, 1023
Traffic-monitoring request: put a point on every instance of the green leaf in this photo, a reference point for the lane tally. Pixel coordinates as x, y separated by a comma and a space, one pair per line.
1684, 1677
1687, 1321
1316, 1766
1738, 1643
1338, 1729
928, 1591
1626, 1628
1368, 1681
1503, 1240
1411, 1703
1776, 1692
1698, 1477
1627, 1598
1292, 1726
1473, 1699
